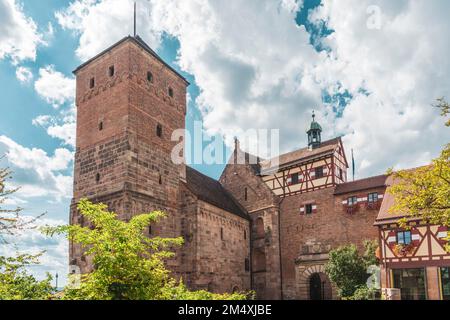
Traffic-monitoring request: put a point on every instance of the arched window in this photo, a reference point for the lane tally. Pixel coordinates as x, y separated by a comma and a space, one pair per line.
260, 233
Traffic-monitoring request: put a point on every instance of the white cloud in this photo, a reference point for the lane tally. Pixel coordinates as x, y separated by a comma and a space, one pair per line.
101, 23
403, 64
37, 173
54, 87
19, 34
55, 257
23, 74
255, 67
62, 126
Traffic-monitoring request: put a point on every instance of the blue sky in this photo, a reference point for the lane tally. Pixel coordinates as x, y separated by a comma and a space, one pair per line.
370, 70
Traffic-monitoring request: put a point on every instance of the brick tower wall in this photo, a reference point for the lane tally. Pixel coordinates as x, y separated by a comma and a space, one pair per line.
120, 159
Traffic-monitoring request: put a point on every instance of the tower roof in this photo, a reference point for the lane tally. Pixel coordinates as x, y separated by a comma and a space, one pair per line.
140, 42
314, 124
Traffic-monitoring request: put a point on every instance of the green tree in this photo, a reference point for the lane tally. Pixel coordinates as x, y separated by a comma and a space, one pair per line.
17, 284
127, 263
425, 192
347, 268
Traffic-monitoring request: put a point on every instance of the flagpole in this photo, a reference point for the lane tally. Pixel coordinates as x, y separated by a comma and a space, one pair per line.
353, 166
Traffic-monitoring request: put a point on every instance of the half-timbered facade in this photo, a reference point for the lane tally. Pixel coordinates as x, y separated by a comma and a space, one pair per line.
413, 259
302, 206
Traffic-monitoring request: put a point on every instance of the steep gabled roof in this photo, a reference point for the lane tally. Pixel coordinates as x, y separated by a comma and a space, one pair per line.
137, 40
304, 154
361, 185
212, 192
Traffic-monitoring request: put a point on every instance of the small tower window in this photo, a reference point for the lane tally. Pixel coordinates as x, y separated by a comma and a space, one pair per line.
245, 194
171, 92
160, 179
221, 233
111, 71
100, 126
97, 177
309, 209
245, 234
159, 130
92, 83
150, 77
247, 264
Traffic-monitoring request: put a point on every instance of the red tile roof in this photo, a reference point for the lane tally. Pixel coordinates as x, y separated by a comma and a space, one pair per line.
212, 192
359, 185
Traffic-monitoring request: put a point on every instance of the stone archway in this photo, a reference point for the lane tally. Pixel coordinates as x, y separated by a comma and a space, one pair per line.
314, 284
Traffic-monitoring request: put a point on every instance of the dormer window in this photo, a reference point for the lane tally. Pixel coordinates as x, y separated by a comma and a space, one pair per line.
92, 83
111, 71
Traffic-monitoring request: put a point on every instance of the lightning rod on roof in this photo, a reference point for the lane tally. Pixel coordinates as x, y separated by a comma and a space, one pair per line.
135, 18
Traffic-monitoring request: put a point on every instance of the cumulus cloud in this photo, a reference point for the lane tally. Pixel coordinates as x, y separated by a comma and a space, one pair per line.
256, 68
391, 56
101, 23
61, 126
23, 74
55, 257
19, 36
37, 173
54, 87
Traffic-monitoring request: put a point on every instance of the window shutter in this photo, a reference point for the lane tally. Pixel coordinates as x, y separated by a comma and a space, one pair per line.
415, 237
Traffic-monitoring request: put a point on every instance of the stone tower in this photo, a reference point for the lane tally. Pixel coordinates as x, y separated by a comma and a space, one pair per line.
129, 101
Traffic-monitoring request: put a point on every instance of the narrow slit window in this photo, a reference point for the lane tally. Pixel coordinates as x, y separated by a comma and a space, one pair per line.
221, 233
111, 71
159, 130
92, 83
171, 92
100, 126
97, 177
245, 194
150, 77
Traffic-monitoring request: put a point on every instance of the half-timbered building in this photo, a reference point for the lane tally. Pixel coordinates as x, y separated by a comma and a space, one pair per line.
413, 259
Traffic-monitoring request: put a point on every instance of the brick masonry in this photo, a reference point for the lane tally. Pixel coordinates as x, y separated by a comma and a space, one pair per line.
121, 160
